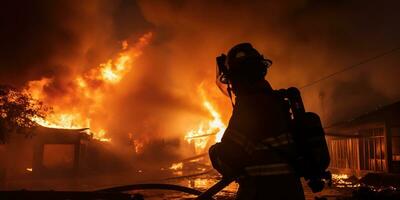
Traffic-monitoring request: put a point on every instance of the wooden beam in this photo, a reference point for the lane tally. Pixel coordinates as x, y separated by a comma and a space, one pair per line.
388, 147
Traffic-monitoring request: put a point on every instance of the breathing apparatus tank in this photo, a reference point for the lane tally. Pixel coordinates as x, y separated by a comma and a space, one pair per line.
312, 159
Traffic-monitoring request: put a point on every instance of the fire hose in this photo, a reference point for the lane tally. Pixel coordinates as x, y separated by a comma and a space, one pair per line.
207, 195
154, 186
210, 192
113, 193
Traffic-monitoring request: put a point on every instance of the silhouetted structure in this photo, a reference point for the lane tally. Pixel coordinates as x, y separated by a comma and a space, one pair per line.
367, 143
48, 151
59, 150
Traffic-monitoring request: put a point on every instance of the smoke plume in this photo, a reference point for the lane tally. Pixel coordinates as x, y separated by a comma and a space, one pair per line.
159, 97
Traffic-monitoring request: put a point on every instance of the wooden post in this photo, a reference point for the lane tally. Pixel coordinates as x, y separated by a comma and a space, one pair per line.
37, 164
388, 147
76, 157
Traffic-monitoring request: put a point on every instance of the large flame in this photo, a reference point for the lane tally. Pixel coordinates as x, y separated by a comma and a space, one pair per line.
213, 128
90, 88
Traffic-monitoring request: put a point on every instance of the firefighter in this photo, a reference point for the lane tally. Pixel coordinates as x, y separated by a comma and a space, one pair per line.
257, 142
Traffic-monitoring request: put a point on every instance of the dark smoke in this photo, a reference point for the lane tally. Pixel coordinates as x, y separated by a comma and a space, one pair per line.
305, 39
59, 38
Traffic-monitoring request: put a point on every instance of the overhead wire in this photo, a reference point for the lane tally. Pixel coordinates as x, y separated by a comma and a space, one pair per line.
361, 63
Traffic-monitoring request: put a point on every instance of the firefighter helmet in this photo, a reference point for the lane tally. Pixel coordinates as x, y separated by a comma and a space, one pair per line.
243, 63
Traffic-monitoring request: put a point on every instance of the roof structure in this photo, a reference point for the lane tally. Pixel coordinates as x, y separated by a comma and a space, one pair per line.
382, 116
57, 135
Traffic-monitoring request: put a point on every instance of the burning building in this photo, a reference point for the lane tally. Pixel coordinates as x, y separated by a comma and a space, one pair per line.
368, 143
46, 152
55, 152
58, 155
128, 70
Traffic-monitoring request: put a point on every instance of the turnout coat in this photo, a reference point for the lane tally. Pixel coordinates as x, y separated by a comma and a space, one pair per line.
256, 145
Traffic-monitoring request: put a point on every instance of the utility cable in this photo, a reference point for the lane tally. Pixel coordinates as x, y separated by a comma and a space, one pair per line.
351, 67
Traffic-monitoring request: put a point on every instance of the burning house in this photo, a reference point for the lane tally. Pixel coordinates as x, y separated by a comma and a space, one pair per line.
368, 143
141, 76
59, 149
46, 152
55, 152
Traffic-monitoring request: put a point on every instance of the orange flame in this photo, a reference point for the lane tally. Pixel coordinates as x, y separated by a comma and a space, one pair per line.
138, 146
212, 128
137, 143
90, 87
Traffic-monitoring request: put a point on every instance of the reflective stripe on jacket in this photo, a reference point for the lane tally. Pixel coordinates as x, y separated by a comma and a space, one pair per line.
266, 144
269, 169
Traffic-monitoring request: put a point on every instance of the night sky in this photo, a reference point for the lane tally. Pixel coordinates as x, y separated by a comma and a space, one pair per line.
306, 40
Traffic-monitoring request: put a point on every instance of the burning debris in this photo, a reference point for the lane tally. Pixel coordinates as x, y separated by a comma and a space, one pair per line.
85, 97
136, 143
176, 166
201, 137
345, 181
139, 100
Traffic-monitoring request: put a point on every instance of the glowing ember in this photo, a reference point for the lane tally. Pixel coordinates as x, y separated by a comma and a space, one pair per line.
101, 136
205, 183
343, 180
177, 169
202, 183
76, 108
176, 166
138, 146
213, 128
29, 169
136, 143
339, 176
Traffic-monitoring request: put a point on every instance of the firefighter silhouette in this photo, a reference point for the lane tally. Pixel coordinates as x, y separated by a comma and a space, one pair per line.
262, 171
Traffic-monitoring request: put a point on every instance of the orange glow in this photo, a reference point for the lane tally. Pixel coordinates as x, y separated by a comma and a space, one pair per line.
205, 183
63, 120
36, 88
176, 166
213, 128
202, 183
138, 146
76, 108
101, 136
340, 176
136, 143
342, 181
124, 44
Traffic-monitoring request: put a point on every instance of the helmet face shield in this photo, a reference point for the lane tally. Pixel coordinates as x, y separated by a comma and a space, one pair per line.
222, 80
266, 62
223, 87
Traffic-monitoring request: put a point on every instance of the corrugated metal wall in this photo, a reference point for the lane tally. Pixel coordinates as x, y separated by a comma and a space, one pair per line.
366, 151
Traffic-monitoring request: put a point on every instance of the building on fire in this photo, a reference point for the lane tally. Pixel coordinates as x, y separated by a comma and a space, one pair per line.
53, 152
45, 151
368, 143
